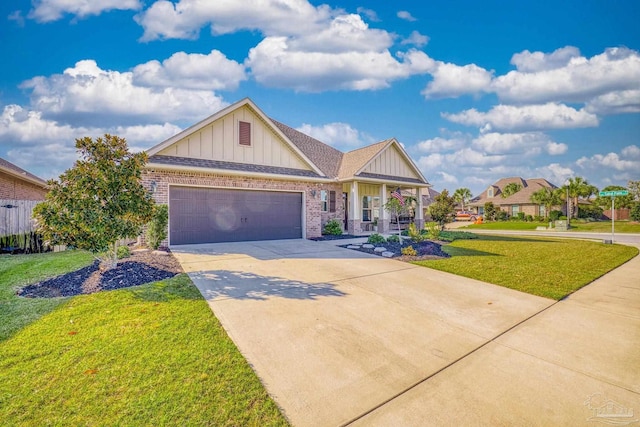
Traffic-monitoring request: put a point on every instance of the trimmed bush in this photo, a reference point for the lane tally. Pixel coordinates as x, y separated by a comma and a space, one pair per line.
555, 215
409, 251
333, 228
157, 227
433, 230
635, 212
124, 252
502, 216
415, 234
394, 238
376, 238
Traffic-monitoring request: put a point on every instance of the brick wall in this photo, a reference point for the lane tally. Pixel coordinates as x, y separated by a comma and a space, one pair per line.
313, 214
17, 189
339, 213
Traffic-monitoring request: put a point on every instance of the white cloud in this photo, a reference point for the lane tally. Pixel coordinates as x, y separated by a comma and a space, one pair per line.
529, 62
629, 161
371, 15
88, 94
579, 80
447, 178
273, 63
46, 147
450, 80
555, 173
184, 19
528, 117
191, 71
528, 144
439, 144
416, 39
403, 14
16, 15
340, 135
52, 10
626, 101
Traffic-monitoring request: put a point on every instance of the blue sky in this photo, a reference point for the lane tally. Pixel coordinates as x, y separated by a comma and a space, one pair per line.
475, 91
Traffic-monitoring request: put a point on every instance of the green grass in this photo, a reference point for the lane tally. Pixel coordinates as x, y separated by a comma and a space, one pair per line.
576, 225
551, 268
149, 355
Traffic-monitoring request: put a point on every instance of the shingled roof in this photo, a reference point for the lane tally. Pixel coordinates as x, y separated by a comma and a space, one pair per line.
324, 156
355, 160
522, 197
11, 169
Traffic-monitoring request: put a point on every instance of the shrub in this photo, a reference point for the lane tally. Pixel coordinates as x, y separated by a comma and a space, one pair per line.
415, 234
333, 228
590, 212
489, 211
376, 238
521, 216
409, 251
433, 230
555, 215
563, 218
157, 227
124, 252
501, 216
635, 212
450, 236
538, 218
394, 238
528, 218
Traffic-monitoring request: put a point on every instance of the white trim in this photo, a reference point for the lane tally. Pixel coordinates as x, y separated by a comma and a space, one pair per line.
244, 102
226, 172
384, 181
403, 153
303, 212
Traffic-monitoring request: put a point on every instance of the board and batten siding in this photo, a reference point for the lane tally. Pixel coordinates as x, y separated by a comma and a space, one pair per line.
390, 162
219, 141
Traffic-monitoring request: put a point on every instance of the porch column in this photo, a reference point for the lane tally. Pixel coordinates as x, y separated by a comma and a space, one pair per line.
353, 225
383, 221
420, 210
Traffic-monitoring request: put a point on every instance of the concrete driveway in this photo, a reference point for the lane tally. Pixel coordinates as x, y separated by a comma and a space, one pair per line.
341, 337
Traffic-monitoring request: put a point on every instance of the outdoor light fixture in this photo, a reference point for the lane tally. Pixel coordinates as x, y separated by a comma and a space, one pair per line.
154, 186
313, 193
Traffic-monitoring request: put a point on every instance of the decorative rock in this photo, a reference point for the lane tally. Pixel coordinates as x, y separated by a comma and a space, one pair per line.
161, 253
387, 254
368, 246
380, 249
140, 250
353, 247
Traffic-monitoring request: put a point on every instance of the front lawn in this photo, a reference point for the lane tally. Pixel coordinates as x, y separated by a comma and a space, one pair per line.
507, 225
148, 355
576, 225
551, 268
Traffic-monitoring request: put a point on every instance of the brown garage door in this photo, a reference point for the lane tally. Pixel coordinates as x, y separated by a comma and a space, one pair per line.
212, 215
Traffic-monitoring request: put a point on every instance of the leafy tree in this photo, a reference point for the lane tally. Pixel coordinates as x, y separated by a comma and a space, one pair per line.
634, 189
99, 201
548, 197
621, 201
635, 212
511, 189
489, 211
462, 195
157, 228
442, 209
578, 187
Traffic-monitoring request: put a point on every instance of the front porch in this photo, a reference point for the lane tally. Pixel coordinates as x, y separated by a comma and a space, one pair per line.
365, 202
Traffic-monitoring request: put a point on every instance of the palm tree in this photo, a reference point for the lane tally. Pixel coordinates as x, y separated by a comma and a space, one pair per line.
510, 189
578, 187
548, 197
462, 195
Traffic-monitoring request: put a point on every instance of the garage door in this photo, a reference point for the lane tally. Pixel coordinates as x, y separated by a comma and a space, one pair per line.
208, 215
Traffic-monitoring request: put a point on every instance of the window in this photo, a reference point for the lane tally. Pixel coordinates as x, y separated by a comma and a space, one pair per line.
323, 200
370, 208
244, 133
542, 210
480, 210
490, 192
515, 209
332, 201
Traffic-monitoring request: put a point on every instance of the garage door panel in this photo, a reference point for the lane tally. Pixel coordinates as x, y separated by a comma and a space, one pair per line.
203, 215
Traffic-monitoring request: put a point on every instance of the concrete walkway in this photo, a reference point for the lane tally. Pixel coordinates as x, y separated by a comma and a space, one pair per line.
341, 337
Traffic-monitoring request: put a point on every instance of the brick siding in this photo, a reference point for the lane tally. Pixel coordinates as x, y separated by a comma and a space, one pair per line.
313, 216
16, 189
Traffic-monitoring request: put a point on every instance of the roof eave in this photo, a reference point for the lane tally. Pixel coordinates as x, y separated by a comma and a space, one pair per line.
40, 183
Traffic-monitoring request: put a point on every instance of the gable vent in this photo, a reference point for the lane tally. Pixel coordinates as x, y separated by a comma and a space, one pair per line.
244, 133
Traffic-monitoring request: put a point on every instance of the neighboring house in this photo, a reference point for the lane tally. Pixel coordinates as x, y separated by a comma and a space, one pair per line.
240, 175
18, 184
515, 203
427, 199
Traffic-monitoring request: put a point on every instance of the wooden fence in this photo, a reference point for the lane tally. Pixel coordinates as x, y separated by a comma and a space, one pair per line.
15, 216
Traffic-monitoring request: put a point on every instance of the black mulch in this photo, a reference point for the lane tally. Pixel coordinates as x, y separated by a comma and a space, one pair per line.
426, 250
333, 237
136, 270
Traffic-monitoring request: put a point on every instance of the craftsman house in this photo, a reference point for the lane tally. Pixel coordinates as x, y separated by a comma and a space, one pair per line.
240, 175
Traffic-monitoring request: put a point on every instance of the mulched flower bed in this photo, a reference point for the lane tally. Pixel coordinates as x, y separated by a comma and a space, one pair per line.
138, 269
333, 237
426, 250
